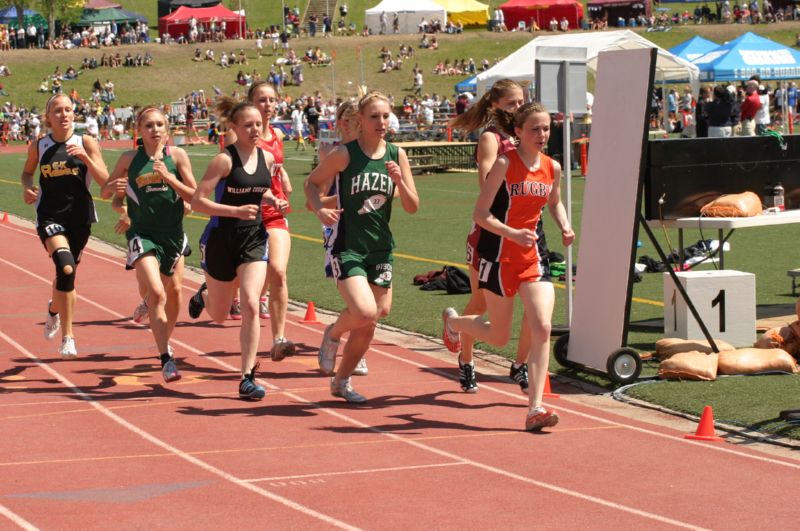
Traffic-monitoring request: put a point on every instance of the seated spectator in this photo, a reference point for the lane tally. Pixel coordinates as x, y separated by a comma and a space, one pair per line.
223, 60
70, 73
242, 57
424, 42
564, 24
434, 44
553, 24
209, 55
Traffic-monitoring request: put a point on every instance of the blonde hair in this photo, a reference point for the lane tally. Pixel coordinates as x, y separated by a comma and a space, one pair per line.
49, 104
148, 109
479, 114
257, 85
345, 111
369, 97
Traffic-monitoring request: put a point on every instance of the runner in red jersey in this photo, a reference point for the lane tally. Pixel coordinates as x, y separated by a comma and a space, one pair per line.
508, 209
279, 244
505, 95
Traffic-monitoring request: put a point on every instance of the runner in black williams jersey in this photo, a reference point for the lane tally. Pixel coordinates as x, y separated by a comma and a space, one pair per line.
234, 244
64, 208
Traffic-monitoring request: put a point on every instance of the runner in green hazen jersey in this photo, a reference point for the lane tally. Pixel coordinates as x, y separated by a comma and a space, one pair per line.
156, 180
369, 172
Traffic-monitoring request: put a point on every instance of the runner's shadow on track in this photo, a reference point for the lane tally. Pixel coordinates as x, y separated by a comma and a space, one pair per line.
269, 410
122, 322
204, 324
429, 399
413, 425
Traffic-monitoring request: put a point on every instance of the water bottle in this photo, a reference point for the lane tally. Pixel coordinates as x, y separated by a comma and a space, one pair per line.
778, 197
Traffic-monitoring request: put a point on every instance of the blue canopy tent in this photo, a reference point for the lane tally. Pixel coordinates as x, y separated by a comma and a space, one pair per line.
693, 48
8, 16
746, 56
468, 85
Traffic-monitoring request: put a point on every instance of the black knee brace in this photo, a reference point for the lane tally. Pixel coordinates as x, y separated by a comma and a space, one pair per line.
62, 258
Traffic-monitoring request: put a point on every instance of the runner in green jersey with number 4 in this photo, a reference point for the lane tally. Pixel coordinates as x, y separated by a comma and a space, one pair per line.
369, 173
156, 180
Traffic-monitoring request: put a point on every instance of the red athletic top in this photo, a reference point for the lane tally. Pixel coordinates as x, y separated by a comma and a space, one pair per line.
518, 203
275, 147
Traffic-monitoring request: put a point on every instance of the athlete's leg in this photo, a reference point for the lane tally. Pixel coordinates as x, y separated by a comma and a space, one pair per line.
524, 345
476, 305
218, 298
63, 301
280, 244
361, 337
148, 275
497, 329
251, 277
538, 299
173, 286
361, 308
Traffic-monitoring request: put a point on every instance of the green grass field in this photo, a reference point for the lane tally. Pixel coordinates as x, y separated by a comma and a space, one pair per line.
435, 236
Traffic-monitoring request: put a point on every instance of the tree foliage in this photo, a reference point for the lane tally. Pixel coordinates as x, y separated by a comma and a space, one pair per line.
66, 11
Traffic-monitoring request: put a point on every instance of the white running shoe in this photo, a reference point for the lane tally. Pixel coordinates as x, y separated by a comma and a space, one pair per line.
327, 352
52, 323
263, 308
346, 391
142, 313
361, 369
67, 348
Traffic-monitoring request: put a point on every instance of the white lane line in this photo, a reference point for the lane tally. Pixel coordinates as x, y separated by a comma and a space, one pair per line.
17, 519
168, 447
448, 455
559, 406
495, 470
364, 471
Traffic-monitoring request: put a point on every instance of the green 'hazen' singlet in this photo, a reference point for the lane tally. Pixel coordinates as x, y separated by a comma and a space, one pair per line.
153, 205
364, 192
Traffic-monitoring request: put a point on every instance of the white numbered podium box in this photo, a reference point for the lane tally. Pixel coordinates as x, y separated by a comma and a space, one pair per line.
725, 300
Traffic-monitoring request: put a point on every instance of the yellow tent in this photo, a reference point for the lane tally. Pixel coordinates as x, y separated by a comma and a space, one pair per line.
468, 12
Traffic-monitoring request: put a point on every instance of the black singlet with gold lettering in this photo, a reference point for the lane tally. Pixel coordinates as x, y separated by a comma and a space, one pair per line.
64, 182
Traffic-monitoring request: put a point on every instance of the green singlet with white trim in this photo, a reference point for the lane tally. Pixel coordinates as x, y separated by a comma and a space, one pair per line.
153, 205
364, 191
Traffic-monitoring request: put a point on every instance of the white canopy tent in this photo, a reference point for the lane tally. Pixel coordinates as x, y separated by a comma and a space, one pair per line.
520, 65
410, 13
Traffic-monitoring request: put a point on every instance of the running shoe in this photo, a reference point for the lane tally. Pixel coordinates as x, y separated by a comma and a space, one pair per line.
282, 348
170, 371
142, 313
196, 303
466, 377
327, 352
361, 369
236, 310
344, 390
452, 340
248, 388
52, 323
263, 308
539, 418
520, 375
67, 348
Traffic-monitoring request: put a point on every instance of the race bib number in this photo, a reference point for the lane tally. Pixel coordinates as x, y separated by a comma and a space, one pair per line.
53, 229
484, 269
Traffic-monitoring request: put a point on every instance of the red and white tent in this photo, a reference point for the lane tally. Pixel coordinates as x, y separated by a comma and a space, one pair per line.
177, 22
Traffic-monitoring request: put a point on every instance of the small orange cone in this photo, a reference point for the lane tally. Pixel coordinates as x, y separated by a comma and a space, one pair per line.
705, 430
5, 217
548, 392
311, 314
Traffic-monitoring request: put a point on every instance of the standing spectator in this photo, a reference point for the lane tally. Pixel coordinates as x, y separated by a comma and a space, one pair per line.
418, 82
326, 25
722, 113
750, 107
311, 115
297, 126
343, 10
384, 20
396, 24
762, 116
700, 117
31, 34
312, 25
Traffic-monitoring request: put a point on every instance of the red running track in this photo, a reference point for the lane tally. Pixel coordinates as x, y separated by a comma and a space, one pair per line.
100, 442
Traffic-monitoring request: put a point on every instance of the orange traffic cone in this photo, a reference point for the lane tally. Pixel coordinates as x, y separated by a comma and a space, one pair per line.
311, 314
548, 392
705, 430
5, 217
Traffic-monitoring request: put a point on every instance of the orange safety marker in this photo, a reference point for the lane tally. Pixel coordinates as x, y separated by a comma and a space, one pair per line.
705, 430
311, 314
548, 392
5, 217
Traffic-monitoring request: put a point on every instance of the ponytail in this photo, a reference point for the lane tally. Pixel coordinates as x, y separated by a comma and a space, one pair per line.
227, 108
478, 115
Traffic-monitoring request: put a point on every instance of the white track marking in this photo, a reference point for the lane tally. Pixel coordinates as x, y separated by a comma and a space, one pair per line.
347, 472
17, 519
168, 447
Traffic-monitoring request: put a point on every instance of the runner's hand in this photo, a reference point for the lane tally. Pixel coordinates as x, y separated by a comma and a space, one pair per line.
247, 212
394, 171
567, 237
123, 224
29, 195
77, 151
329, 216
524, 238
